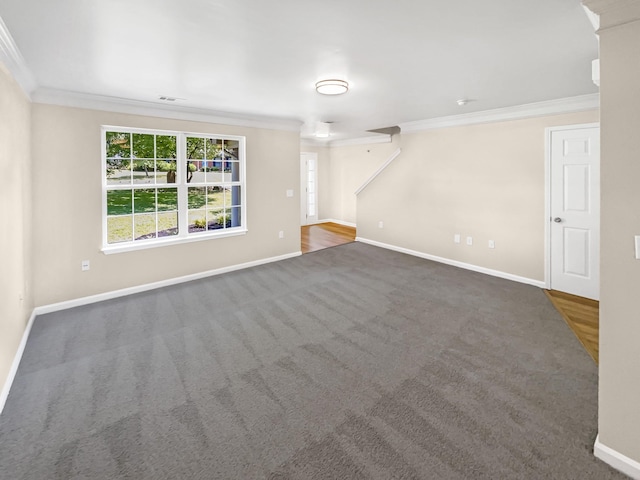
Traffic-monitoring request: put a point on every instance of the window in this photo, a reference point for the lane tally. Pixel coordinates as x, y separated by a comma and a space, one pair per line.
168, 187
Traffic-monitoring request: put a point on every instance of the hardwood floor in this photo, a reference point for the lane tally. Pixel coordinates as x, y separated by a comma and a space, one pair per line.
325, 235
582, 315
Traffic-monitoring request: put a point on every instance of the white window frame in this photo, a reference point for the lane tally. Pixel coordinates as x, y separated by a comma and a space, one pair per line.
182, 186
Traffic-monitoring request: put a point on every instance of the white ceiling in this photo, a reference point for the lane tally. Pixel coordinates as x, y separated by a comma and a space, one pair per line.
406, 60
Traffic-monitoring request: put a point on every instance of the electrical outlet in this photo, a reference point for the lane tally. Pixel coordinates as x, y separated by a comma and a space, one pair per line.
469, 240
638, 247
289, 193
380, 224
85, 265
456, 238
281, 234
492, 244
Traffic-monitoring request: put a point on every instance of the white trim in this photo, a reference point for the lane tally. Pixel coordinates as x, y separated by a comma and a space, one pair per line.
333, 220
379, 138
346, 142
11, 57
166, 241
304, 184
311, 143
55, 307
379, 171
547, 193
152, 286
4, 394
138, 107
552, 107
617, 460
455, 263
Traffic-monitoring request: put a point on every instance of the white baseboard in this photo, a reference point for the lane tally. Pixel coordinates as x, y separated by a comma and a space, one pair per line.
54, 307
333, 220
4, 394
616, 459
455, 263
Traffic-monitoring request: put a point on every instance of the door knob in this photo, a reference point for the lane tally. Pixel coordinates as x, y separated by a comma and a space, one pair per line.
557, 220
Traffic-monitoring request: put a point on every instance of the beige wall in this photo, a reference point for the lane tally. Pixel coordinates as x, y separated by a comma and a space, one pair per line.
325, 189
15, 218
484, 181
349, 168
67, 206
619, 407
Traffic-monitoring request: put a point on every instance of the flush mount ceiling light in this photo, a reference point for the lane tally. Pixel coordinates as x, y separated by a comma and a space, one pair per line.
332, 87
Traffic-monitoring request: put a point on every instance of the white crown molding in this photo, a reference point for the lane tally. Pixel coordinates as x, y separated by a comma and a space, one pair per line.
614, 12
529, 110
594, 18
13, 60
455, 263
137, 107
616, 459
378, 138
311, 142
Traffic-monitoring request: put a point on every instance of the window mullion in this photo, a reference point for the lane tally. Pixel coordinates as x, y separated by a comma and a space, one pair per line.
181, 169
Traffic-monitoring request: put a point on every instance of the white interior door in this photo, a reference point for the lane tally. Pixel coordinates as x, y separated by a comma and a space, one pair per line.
309, 187
575, 211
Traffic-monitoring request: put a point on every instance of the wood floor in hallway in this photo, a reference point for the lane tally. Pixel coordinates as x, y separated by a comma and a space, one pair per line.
325, 235
583, 317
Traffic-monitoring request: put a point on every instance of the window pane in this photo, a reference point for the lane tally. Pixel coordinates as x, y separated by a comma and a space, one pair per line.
166, 147
235, 219
167, 224
118, 171
215, 197
166, 171
143, 146
195, 148
215, 219
144, 200
167, 199
119, 229
119, 202
213, 148
214, 174
235, 199
193, 175
197, 221
144, 171
118, 145
232, 149
144, 226
231, 171
197, 197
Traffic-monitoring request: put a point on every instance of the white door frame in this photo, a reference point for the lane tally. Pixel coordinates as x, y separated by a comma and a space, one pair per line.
547, 193
303, 188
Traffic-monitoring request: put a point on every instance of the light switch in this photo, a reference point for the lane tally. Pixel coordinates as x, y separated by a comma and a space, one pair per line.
638, 247
456, 238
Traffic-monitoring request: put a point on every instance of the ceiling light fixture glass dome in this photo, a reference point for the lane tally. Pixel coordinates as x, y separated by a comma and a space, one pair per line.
332, 87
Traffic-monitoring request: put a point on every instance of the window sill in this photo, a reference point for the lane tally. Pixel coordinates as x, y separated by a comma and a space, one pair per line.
143, 245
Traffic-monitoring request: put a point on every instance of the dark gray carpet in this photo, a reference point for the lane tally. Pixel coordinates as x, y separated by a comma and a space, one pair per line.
348, 363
